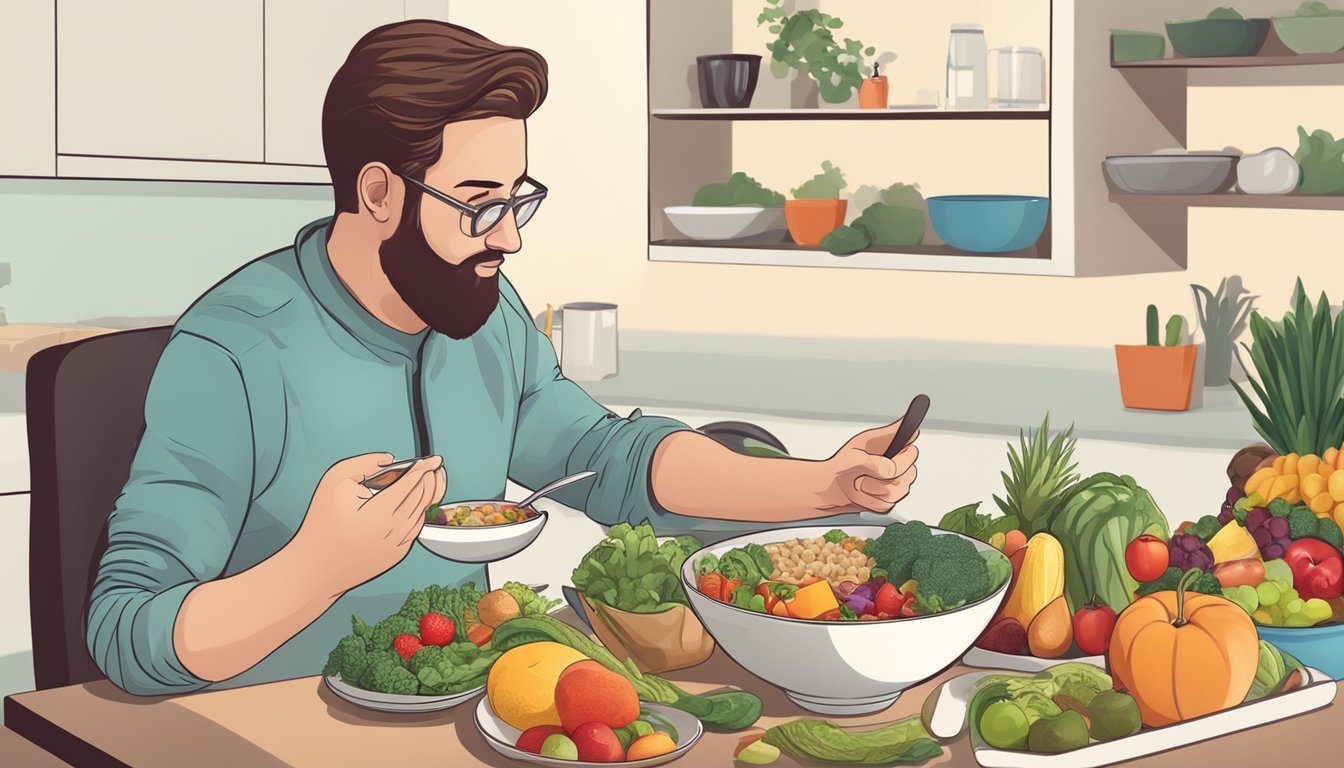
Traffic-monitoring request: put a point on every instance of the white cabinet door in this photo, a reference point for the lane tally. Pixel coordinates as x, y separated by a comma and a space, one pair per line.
306, 42
160, 79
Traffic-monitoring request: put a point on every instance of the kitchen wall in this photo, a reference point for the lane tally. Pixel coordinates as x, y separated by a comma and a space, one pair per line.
589, 140
85, 249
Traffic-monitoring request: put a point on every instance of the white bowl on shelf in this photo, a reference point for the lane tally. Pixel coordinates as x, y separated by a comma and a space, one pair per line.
737, 222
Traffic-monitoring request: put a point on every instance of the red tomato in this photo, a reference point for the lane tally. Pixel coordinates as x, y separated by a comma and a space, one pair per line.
831, 615
888, 599
1092, 626
1147, 558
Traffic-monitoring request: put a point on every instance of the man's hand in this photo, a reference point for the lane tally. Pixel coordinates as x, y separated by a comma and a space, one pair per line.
864, 479
351, 534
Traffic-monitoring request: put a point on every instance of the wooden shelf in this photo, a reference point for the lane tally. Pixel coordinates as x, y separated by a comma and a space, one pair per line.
1295, 60
852, 114
1235, 200
929, 258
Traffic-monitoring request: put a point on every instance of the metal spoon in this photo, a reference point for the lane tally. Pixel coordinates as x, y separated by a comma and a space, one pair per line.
561, 483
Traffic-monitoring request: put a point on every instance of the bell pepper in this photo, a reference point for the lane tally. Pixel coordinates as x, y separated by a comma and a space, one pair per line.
712, 584
763, 589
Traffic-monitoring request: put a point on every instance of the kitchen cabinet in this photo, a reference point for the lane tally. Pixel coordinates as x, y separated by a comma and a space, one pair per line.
155, 89
159, 79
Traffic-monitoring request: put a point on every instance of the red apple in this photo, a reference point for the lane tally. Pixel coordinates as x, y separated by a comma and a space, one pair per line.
1318, 569
1147, 558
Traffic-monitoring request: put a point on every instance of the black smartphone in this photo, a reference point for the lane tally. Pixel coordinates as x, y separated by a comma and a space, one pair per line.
914, 416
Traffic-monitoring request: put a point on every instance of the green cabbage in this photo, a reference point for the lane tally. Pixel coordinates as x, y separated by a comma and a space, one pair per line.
891, 226
1322, 161
1099, 519
824, 186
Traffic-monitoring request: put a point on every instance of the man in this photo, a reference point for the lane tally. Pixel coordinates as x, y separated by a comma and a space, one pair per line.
244, 539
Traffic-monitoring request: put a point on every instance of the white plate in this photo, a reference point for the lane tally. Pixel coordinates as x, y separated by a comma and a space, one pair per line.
979, 657
501, 737
1318, 692
395, 702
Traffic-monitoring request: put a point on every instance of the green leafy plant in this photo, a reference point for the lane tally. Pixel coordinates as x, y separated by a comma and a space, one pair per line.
1322, 161
1223, 317
1301, 374
1176, 327
824, 186
1317, 9
630, 571
740, 189
1042, 474
805, 41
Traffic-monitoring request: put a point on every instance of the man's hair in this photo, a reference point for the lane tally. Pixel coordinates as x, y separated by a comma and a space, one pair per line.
403, 82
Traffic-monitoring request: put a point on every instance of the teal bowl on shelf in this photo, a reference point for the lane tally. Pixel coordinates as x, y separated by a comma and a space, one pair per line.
1317, 647
989, 223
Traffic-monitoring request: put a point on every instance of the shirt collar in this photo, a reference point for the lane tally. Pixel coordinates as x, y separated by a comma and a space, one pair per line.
336, 299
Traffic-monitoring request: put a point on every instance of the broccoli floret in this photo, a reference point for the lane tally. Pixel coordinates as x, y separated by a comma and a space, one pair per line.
416, 605
1327, 530
835, 536
1205, 528
898, 547
950, 573
1301, 523
349, 659
1206, 583
428, 656
387, 675
387, 630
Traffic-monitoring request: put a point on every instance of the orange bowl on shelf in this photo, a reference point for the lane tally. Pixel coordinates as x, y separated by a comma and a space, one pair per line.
810, 220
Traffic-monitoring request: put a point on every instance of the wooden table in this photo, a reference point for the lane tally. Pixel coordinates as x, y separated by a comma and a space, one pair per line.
300, 722
18, 751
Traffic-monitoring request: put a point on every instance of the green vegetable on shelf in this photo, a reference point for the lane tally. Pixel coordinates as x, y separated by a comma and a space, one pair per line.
846, 240
824, 186
1322, 161
740, 189
1226, 14
1318, 9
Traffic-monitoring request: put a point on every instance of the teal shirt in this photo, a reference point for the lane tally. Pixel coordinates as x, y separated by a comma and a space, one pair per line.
276, 374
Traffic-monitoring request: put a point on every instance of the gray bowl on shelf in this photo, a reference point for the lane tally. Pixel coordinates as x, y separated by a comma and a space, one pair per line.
1192, 174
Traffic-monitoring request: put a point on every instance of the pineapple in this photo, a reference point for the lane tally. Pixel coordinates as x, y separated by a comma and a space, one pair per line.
1041, 476
1232, 542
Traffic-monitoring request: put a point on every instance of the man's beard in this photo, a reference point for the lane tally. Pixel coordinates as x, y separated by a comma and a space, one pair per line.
450, 298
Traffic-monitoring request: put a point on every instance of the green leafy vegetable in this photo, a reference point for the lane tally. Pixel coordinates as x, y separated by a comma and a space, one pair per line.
630, 571
1034, 693
891, 226
904, 741
848, 614
824, 186
529, 602
732, 710
969, 522
835, 536
900, 195
1207, 526
1318, 9
1322, 161
1206, 583
846, 240
999, 568
1099, 519
1225, 13
706, 563
740, 189
749, 564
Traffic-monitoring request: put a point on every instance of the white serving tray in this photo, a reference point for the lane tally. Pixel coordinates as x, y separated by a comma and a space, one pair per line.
983, 659
1318, 691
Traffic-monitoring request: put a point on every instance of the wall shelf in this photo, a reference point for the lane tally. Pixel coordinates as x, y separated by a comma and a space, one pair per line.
927, 258
852, 114
1291, 60
1236, 200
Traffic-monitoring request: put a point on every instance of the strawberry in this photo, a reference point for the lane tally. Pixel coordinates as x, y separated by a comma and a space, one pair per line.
407, 645
436, 629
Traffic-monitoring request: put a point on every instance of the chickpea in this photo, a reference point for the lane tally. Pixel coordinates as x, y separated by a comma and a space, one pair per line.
864, 573
798, 572
809, 556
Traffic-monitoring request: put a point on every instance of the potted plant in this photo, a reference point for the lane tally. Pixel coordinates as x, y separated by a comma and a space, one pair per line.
727, 80
1222, 318
805, 42
816, 208
1157, 376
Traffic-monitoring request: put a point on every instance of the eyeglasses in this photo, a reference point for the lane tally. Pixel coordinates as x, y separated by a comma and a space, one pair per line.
480, 220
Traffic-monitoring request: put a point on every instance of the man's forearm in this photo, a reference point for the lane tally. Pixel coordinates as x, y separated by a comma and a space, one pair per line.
226, 626
693, 475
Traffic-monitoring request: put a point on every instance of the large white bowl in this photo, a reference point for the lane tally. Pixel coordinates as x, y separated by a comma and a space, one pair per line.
838, 668
703, 222
482, 543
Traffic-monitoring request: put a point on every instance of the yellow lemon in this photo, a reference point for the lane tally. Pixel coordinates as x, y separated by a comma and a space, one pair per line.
521, 685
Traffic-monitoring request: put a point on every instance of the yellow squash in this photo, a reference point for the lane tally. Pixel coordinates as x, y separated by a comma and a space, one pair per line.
1040, 582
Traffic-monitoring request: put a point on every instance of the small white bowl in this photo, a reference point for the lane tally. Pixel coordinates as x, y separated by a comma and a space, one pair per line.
737, 222
481, 543
502, 737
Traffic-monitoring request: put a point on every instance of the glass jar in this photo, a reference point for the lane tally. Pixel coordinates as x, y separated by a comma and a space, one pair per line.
967, 66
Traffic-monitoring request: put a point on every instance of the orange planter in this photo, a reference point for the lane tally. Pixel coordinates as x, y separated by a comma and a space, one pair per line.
811, 220
1156, 378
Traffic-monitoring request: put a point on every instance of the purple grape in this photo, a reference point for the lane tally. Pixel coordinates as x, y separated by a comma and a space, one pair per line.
1278, 527
1201, 560
1262, 537
1256, 518
1225, 517
1272, 551
1232, 497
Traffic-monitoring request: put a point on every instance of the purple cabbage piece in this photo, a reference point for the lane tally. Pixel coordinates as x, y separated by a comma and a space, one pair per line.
858, 604
866, 591
845, 589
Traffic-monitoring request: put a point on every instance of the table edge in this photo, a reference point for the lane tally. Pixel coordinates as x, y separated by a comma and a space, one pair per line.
53, 738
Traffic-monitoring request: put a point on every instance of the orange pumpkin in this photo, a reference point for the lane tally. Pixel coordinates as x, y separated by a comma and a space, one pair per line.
1183, 655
